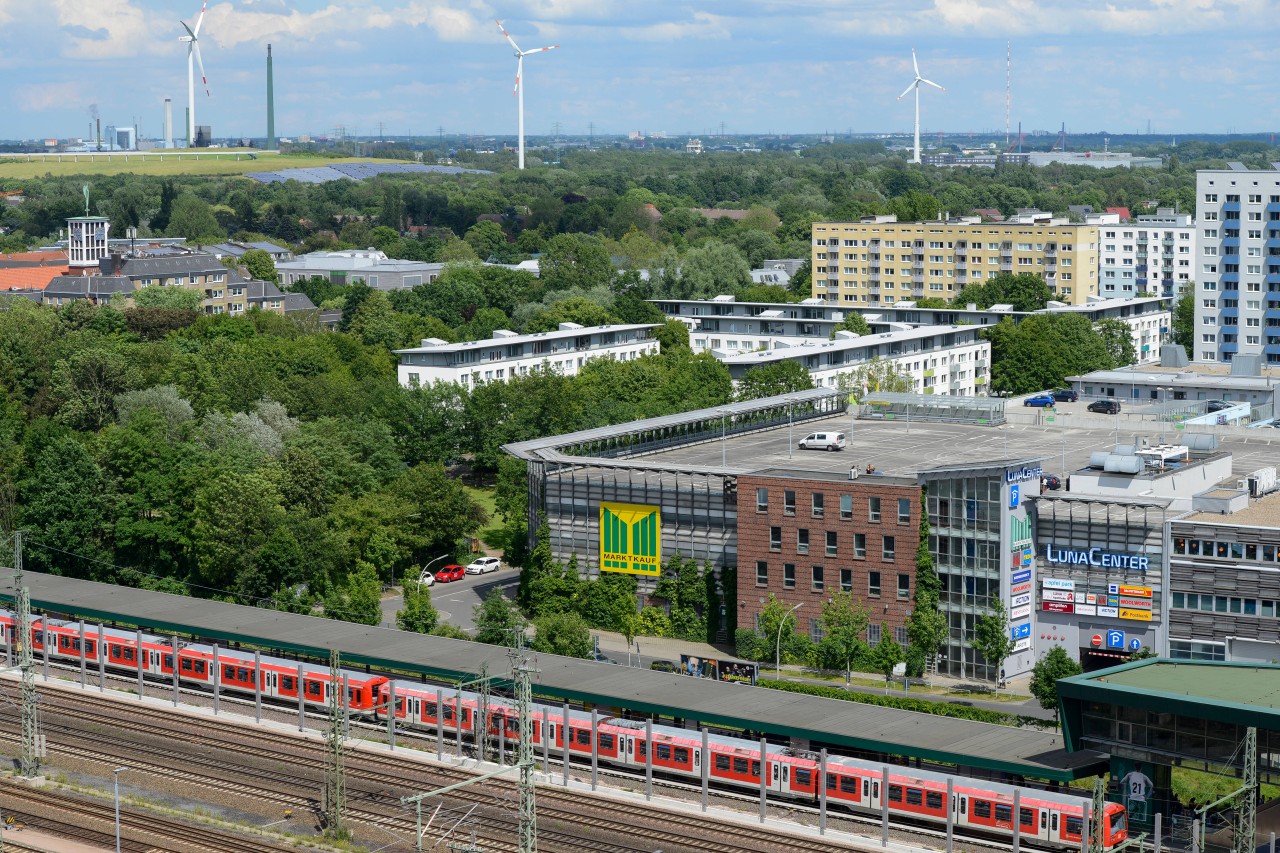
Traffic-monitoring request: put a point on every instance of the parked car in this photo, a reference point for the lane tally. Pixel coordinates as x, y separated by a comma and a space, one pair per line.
1217, 405
1065, 395
823, 441
484, 565
1105, 407
450, 572
1052, 482
1039, 400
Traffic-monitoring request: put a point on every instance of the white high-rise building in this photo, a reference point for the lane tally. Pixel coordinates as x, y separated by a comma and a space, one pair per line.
1153, 254
1237, 267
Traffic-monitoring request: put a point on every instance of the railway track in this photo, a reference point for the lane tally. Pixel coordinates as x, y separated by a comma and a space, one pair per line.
369, 776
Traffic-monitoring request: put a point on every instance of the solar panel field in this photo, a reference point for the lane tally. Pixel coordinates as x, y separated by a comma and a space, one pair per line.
164, 163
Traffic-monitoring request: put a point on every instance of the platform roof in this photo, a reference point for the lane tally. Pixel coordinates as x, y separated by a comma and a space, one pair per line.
1024, 752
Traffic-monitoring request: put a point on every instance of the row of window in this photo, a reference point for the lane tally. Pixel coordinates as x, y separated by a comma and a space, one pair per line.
1225, 550
1263, 608
818, 579
818, 505
888, 544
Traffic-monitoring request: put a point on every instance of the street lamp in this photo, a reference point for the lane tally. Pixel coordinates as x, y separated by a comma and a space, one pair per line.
116, 774
426, 570
777, 648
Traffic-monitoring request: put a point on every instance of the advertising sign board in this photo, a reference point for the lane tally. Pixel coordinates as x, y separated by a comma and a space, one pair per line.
630, 539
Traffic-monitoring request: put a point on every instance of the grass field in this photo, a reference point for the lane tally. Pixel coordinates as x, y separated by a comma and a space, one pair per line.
221, 162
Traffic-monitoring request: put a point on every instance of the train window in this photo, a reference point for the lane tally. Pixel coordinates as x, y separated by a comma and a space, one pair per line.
642, 749
65, 642
40, 637
514, 726
740, 765
199, 667
185, 665
228, 673
1044, 817
1055, 821
91, 647
682, 755
663, 752
605, 740
242, 674
286, 682
168, 661
1027, 818
1004, 814
915, 797
803, 777
431, 711
312, 688
833, 782
448, 713
932, 800
1118, 821
982, 809
848, 785
755, 768
1074, 825
130, 655
895, 793
113, 651
466, 717
583, 737
722, 762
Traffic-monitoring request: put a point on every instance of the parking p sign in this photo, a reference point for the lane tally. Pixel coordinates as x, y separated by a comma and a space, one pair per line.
1115, 639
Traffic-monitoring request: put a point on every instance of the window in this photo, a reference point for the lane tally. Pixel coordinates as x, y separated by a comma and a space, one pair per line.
819, 581
762, 573
873, 634
904, 586
860, 545
802, 541
887, 548
873, 509
846, 507
982, 809
846, 580
818, 505
762, 500
904, 510
873, 584
1004, 814
788, 576
933, 800
722, 762
832, 543
775, 538
1027, 817
788, 503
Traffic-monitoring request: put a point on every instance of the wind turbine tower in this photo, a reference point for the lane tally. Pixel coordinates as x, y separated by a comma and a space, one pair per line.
1008, 89
519, 90
192, 38
915, 84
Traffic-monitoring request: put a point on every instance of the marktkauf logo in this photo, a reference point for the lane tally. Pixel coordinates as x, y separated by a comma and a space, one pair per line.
630, 539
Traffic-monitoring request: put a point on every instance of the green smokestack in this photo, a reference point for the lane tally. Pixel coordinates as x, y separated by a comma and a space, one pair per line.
271, 105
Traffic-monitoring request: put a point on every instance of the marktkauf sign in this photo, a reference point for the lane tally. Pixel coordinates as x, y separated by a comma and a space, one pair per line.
1096, 557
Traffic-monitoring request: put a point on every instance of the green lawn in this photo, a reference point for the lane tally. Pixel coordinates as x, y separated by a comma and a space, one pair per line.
491, 535
177, 162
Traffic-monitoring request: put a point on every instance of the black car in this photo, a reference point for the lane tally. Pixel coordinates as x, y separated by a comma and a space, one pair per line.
1052, 482
1105, 407
1065, 395
1217, 405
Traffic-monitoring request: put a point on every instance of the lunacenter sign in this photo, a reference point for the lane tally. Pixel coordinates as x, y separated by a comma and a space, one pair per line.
1096, 557
1017, 475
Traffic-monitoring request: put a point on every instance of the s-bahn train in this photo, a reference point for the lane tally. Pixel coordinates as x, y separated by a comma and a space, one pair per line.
1046, 819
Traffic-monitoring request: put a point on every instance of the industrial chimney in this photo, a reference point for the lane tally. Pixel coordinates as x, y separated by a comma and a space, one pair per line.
271, 105
168, 122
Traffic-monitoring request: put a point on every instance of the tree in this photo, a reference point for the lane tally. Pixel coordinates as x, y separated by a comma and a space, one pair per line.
575, 261
1117, 337
359, 600
562, 634
991, 637
768, 380
163, 399
497, 620
1045, 674
173, 298
793, 648
260, 265
886, 655
487, 240
852, 322
844, 622
927, 626
712, 269
1024, 291
160, 221
875, 376
418, 614
194, 219
1042, 350
575, 309
1184, 320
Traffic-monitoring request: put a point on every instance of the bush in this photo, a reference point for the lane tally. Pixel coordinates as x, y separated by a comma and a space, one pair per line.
905, 703
654, 623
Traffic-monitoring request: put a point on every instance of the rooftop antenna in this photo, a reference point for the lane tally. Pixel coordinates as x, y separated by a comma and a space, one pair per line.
915, 84
1008, 89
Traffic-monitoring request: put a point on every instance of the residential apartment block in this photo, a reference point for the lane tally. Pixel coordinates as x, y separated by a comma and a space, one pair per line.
1237, 268
370, 266
1150, 255
949, 360
880, 260
507, 354
725, 324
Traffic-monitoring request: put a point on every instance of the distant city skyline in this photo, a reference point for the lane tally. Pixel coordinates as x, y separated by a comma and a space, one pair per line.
757, 66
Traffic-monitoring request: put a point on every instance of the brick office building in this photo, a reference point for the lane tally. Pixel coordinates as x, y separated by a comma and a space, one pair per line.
803, 535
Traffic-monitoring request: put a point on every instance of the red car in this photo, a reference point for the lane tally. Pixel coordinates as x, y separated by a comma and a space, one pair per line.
450, 573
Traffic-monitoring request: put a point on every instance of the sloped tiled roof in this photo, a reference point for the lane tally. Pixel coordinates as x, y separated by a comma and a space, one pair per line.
36, 277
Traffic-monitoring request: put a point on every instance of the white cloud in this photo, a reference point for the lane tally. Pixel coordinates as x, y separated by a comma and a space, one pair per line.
39, 97
116, 28
230, 26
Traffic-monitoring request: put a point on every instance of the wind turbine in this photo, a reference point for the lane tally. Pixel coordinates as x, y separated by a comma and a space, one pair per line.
915, 84
192, 38
519, 90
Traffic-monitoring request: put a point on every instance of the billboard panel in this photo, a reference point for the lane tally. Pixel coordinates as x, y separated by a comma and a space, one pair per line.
630, 539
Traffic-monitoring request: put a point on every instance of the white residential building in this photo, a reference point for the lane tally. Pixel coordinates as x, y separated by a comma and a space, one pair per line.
1237, 267
370, 266
1152, 254
725, 324
945, 360
507, 354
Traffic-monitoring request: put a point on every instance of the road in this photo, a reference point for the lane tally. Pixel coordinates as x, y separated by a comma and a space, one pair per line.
457, 600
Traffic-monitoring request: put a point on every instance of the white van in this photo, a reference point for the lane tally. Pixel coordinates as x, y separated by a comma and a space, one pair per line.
823, 441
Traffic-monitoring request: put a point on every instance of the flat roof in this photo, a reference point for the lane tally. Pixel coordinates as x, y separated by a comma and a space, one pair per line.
553, 335
839, 344
1264, 512
1190, 374
1026, 752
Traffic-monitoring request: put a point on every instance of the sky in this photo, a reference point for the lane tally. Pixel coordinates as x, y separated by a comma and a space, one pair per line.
757, 66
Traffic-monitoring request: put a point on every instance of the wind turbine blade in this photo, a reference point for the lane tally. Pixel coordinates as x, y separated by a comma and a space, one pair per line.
190, 36
519, 74
907, 91
915, 64
200, 20
196, 46
931, 83
541, 49
510, 40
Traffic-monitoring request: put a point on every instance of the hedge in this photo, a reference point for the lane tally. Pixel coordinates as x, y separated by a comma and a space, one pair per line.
906, 703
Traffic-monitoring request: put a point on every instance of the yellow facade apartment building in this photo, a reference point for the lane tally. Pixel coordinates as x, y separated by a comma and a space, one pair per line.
879, 260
